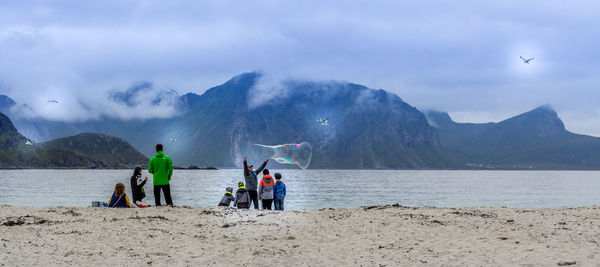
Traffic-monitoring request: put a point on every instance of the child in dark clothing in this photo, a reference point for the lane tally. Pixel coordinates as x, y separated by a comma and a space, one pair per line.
242, 198
278, 192
227, 198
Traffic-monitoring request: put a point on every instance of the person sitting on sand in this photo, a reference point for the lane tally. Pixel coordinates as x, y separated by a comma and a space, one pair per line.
265, 190
278, 192
137, 186
227, 198
242, 199
119, 199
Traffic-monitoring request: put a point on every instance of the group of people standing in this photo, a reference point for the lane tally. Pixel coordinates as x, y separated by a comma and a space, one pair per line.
266, 190
160, 166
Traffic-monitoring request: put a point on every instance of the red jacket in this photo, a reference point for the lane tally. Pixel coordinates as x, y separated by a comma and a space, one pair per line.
265, 187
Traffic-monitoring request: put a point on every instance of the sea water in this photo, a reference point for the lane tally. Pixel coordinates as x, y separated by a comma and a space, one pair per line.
314, 189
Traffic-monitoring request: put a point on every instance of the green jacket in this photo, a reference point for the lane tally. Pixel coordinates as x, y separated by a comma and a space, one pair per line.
161, 167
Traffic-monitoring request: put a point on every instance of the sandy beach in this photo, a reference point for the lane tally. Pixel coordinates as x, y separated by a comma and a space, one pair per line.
367, 236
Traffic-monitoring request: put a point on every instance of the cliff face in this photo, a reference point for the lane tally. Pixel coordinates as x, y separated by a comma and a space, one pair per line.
367, 128
13, 148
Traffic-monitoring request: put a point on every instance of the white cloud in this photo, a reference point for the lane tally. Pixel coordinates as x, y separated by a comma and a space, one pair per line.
461, 57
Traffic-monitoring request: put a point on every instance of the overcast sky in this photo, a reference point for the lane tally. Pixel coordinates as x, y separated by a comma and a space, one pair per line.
455, 56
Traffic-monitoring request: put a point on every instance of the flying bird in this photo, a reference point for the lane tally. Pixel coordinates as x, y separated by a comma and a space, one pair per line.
323, 121
52, 101
526, 61
172, 139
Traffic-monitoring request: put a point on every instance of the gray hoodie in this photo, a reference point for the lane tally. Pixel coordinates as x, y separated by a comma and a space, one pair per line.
226, 200
265, 188
250, 177
242, 199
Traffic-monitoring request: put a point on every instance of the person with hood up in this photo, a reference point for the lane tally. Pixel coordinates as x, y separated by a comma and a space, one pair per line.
137, 186
161, 168
265, 190
227, 198
242, 199
250, 175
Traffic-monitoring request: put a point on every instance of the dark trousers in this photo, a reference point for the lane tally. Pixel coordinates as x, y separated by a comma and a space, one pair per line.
278, 201
166, 190
253, 198
267, 204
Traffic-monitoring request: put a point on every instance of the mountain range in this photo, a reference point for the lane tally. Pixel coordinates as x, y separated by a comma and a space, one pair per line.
533, 140
86, 150
368, 129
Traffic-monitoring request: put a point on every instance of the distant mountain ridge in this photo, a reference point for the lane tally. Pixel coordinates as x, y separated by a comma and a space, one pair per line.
368, 128
111, 151
533, 140
81, 151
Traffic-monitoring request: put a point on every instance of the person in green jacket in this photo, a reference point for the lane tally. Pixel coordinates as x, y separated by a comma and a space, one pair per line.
161, 168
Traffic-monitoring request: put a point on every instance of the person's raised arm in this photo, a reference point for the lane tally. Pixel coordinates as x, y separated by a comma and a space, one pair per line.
245, 166
262, 166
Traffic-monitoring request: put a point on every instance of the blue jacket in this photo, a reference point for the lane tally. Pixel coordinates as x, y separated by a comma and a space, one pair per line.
119, 202
279, 189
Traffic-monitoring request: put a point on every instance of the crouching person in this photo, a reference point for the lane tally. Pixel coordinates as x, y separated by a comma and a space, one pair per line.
227, 198
242, 198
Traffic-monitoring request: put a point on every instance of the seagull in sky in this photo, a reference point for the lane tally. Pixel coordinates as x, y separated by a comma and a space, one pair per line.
526, 61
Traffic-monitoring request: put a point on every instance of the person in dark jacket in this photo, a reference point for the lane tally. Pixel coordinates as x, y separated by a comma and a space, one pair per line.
252, 180
119, 199
278, 192
265, 190
137, 185
242, 199
227, 198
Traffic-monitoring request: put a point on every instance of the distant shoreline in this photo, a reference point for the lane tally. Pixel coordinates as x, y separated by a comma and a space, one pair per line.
235, 168
110, 168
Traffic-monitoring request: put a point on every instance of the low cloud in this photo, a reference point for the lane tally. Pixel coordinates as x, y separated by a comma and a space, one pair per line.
140, 101
268, 88
461, 57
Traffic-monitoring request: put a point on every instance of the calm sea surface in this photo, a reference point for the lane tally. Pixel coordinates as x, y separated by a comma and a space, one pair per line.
313, 189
